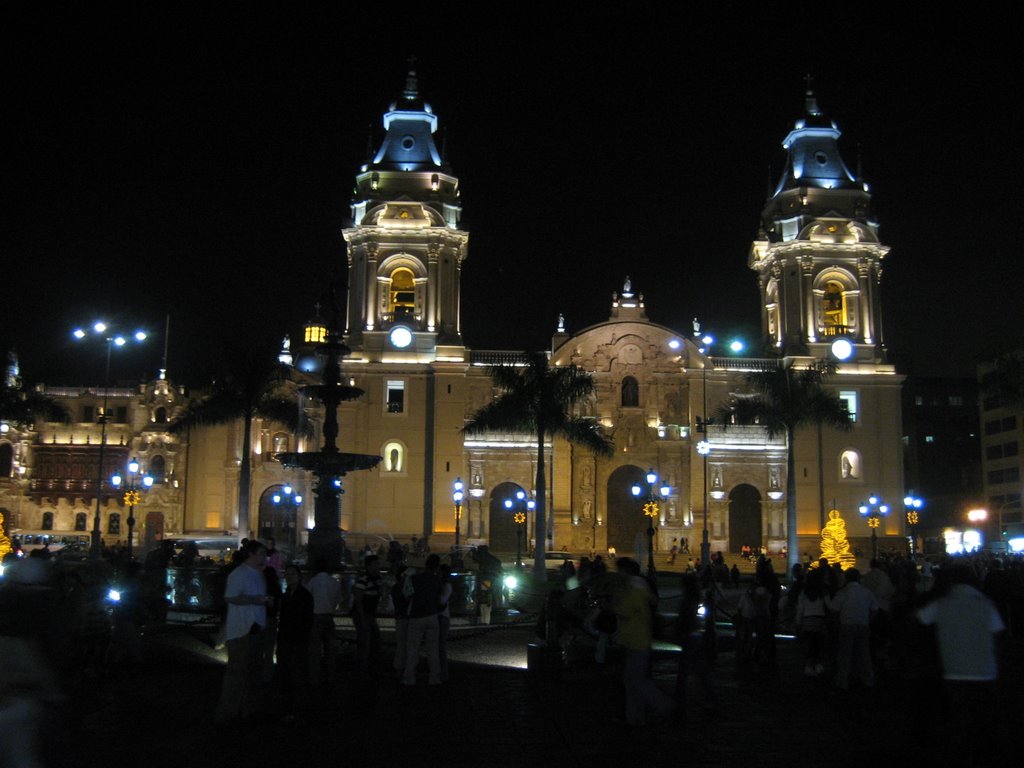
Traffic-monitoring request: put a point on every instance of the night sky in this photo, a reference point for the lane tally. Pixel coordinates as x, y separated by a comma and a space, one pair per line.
200, 164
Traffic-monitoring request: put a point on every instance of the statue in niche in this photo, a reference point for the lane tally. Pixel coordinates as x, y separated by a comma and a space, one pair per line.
588, 507
849, 466
395, 456
587, 478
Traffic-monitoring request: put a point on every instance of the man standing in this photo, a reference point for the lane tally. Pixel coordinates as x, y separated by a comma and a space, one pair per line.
365, 599
634, 603
246, 598
966, 624
326, 593
855, 606
424, 593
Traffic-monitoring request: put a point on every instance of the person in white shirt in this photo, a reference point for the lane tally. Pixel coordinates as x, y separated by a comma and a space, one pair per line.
246, 596
323, 652
855, 605
966, 626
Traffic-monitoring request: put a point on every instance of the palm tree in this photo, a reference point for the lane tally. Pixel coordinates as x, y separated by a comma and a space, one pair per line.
252, 388
782, 401
538, 398
22, 408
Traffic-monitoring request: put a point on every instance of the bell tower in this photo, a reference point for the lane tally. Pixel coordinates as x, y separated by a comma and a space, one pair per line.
405, 248
817, 255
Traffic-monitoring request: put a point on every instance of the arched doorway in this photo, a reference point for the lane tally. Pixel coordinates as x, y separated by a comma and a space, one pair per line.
744, 518
280, 506
501, 529
625, 521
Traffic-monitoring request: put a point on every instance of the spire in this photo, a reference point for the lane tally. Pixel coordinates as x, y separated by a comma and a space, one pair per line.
813, 152
410, 124
810, 101
412, 86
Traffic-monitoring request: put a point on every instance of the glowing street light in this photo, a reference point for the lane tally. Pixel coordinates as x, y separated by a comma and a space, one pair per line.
457, 496
132, 497
874, 510
651, 511
913, 506
519, 508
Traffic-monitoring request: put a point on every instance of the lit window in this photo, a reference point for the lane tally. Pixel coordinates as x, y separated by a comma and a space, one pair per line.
47, 521
114, 523
80, 521
395, 402
848, 397
315, 333
402, 296
929, 438
834, 309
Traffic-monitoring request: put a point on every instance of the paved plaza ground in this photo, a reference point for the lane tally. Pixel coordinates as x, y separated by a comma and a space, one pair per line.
496, 712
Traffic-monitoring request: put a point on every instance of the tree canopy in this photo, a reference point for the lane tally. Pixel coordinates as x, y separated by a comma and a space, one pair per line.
538, 398
782, 401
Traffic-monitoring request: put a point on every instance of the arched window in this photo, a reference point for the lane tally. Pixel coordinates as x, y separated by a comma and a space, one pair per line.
6, 459
160, 415
47, 521
157, 468
834, 309
630, 393
402, 296
80, 521
394, 456
280, 442
114, 523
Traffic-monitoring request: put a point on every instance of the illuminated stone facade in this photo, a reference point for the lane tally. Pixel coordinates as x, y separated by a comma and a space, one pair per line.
818, 260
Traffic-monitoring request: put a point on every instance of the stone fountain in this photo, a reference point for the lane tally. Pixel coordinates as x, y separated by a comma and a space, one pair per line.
329, 464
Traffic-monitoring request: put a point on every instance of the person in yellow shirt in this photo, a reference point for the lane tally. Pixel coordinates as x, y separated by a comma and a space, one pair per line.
634, 603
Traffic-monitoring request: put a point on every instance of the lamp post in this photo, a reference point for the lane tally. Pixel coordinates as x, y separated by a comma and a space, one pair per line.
913, 505
288, 501
457, 497
651, 511
874, 510
101, 329
519, 507
704, 448
132, 497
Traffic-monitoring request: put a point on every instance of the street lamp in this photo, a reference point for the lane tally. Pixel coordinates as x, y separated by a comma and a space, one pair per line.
287, 496
102, 330
519, 507
651, 511
457, 497
874, 510
913, 505
132, 497
704, 448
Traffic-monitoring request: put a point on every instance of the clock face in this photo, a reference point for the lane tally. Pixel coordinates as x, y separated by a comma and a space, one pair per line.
842, 349
400, 336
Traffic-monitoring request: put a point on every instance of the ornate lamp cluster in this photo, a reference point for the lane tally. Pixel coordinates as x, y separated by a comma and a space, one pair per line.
519, 507
651, 510
874, 509
132, 495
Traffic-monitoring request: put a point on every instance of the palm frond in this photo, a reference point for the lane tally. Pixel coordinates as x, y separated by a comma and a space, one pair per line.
20, 407
588, 433
285, 412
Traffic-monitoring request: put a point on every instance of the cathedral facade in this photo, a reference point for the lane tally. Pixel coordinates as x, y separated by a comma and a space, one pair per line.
817, 259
